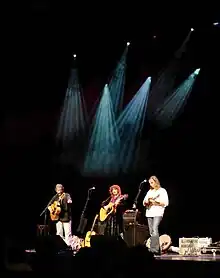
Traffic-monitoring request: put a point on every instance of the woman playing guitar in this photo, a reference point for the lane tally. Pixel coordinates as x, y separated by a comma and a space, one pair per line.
111, 213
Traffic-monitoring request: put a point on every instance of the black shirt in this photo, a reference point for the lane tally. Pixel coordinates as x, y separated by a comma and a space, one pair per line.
65, 204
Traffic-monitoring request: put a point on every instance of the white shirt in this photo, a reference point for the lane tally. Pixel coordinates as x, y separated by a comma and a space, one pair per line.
159, 195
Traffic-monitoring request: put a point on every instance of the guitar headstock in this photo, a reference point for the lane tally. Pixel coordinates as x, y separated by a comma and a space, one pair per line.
125, 196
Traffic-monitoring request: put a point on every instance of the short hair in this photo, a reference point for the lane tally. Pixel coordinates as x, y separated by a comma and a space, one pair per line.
59, 184
115, 186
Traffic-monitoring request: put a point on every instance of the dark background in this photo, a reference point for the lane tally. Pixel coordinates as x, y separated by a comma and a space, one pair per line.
40, 42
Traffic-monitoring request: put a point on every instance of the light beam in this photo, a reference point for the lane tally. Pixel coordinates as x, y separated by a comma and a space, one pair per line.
166, 79
73, 119
117, 83
101, 158
174, 104
130, 124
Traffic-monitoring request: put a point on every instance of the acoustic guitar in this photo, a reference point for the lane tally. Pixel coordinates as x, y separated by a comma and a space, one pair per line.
55, 208
90, 233
110, 208
150, 201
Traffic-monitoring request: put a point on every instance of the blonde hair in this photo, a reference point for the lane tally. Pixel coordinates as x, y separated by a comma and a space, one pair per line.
154, 178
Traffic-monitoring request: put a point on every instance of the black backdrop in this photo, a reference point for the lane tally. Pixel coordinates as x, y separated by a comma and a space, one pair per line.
184, 157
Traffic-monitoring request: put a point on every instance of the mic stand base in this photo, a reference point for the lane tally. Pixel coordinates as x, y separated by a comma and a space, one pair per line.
82, 225
43, 230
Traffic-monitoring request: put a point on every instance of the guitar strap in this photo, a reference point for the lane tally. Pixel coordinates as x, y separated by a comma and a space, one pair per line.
116, 199
61, 197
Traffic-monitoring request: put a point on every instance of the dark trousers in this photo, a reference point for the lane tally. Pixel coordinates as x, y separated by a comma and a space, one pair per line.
153, 224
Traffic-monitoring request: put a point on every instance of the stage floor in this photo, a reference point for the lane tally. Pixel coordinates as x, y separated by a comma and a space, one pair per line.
201, 258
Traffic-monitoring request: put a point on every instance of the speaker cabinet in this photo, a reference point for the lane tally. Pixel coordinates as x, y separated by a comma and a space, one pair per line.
136, 234
50, 244
107, 242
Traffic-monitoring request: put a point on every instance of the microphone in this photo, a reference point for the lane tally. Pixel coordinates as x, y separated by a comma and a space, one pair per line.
143, 181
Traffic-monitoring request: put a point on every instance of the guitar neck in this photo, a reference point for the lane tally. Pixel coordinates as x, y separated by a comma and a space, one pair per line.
123, 197
94, 221
156, 197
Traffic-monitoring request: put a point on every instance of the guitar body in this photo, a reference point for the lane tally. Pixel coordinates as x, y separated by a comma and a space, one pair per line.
90, 233
105, 212
55, 209
150, 200
110, 208
88, 238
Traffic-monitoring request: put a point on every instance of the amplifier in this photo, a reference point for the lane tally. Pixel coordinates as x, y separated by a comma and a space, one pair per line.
193, 246
136, 235
131, 217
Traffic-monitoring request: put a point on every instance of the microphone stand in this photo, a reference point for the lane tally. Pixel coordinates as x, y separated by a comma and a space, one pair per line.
45, 209
134, 207
83, 220
137, 196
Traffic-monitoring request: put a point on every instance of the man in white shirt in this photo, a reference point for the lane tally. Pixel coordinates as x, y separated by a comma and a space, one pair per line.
155, 201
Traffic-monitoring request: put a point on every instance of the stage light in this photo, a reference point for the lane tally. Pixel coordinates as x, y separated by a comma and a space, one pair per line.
74, 55
197, 71
216, 23
174, 104
192, 29
165, 81
73, 119
128, 43
130, 124
117, 83
102, 155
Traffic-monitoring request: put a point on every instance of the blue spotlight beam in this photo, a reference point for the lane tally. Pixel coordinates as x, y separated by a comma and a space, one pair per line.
101, 158
166, 79
73, 119
130, 124
172, 106
117, 83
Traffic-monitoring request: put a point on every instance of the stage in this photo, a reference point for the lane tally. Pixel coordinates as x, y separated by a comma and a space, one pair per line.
201, 258
175, 257
168, 265
174, 265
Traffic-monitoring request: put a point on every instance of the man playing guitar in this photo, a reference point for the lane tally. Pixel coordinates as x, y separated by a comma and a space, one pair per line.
63, 219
